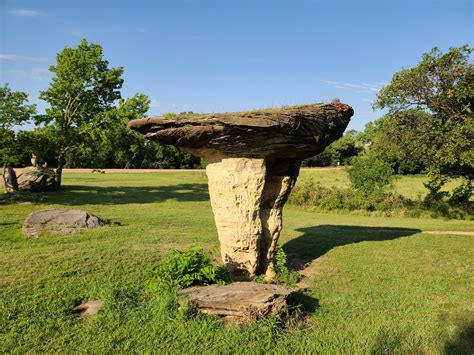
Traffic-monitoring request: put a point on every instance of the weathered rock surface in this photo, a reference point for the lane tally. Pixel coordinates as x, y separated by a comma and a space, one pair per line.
60, 221
36, 179
252, 163
293, 132
238, 299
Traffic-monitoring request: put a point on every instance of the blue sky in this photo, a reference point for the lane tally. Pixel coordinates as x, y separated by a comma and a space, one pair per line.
213, 56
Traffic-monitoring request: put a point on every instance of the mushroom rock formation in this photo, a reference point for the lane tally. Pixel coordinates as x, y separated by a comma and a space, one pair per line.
252, 163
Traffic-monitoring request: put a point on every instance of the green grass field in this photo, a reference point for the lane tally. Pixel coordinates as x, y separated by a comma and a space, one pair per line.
376, 284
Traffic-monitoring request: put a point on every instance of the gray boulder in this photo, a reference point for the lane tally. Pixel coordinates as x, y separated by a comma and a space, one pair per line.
36, 179
238, 300
60, 221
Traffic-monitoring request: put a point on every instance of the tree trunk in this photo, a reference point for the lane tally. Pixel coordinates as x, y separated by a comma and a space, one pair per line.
59, 170
5, 178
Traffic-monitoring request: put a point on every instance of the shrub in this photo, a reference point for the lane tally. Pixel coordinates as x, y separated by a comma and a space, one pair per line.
310, 194
461, 195
369, 174
184, 268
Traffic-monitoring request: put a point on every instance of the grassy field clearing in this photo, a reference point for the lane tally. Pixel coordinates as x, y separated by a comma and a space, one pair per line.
376, 284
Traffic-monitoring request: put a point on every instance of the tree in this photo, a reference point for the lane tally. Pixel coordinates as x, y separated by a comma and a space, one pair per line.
42, 141
340, 151
82, 90
14, 110
127, 147
442, 86
345, 148
394, 139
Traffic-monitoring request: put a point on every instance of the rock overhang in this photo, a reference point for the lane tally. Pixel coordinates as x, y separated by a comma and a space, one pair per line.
292, 132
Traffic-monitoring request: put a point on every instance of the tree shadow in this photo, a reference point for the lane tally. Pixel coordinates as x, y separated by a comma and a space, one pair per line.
464, 343
117, 195
318, 240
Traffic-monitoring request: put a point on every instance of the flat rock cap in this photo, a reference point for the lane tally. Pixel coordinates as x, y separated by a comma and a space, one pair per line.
294, 132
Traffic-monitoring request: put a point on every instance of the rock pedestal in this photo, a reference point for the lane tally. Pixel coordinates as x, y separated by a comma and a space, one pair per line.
252, 163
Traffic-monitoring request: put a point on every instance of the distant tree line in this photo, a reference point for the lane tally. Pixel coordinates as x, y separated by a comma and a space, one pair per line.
429, 126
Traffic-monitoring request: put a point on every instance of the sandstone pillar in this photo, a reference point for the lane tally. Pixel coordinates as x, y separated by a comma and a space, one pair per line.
253, 160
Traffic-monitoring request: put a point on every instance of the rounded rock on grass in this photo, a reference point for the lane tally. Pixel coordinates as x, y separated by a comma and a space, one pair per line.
60, 221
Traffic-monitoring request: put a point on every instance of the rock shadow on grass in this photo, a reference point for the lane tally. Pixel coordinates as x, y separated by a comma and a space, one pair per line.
116, 195
318, 240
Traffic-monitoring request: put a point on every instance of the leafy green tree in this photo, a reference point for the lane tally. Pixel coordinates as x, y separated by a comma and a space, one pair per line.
127, 149
14, 110
42, 141
394, 139
370, 174
340, 151
345, 148
442, 86
82, 90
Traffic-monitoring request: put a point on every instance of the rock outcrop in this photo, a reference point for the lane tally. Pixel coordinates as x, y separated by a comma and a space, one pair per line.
252, 163
36, 179
238, 300
60, 221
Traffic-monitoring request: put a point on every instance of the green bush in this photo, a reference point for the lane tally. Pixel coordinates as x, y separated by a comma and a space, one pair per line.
313, 195
184, 268
369, 174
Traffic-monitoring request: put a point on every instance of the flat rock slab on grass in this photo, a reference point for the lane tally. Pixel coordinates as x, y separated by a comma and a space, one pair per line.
60, 221
238, 300
89, 308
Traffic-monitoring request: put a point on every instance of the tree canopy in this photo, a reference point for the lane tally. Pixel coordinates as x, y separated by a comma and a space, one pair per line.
14, 110
441, 86
82, 90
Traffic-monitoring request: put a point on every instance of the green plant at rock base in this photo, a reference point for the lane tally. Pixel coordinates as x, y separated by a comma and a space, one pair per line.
284, 275
184, 268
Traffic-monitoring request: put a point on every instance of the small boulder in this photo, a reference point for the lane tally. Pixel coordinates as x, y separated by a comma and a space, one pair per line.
36, 179
60, 221
238, 300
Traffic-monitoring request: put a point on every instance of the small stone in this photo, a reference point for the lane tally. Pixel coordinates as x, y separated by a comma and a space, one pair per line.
239, 300
89, 308
60, 221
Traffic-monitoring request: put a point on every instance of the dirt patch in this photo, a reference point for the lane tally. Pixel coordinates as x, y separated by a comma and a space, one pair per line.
451, 232
309, 270
88, 308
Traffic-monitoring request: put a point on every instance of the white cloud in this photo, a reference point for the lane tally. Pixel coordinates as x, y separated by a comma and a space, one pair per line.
154, 103
17, 58
142, 30
77, 33
25, 13
39, 74
359, 88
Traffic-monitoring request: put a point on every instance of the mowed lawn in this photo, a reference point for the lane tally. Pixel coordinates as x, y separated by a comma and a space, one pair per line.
375, 284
